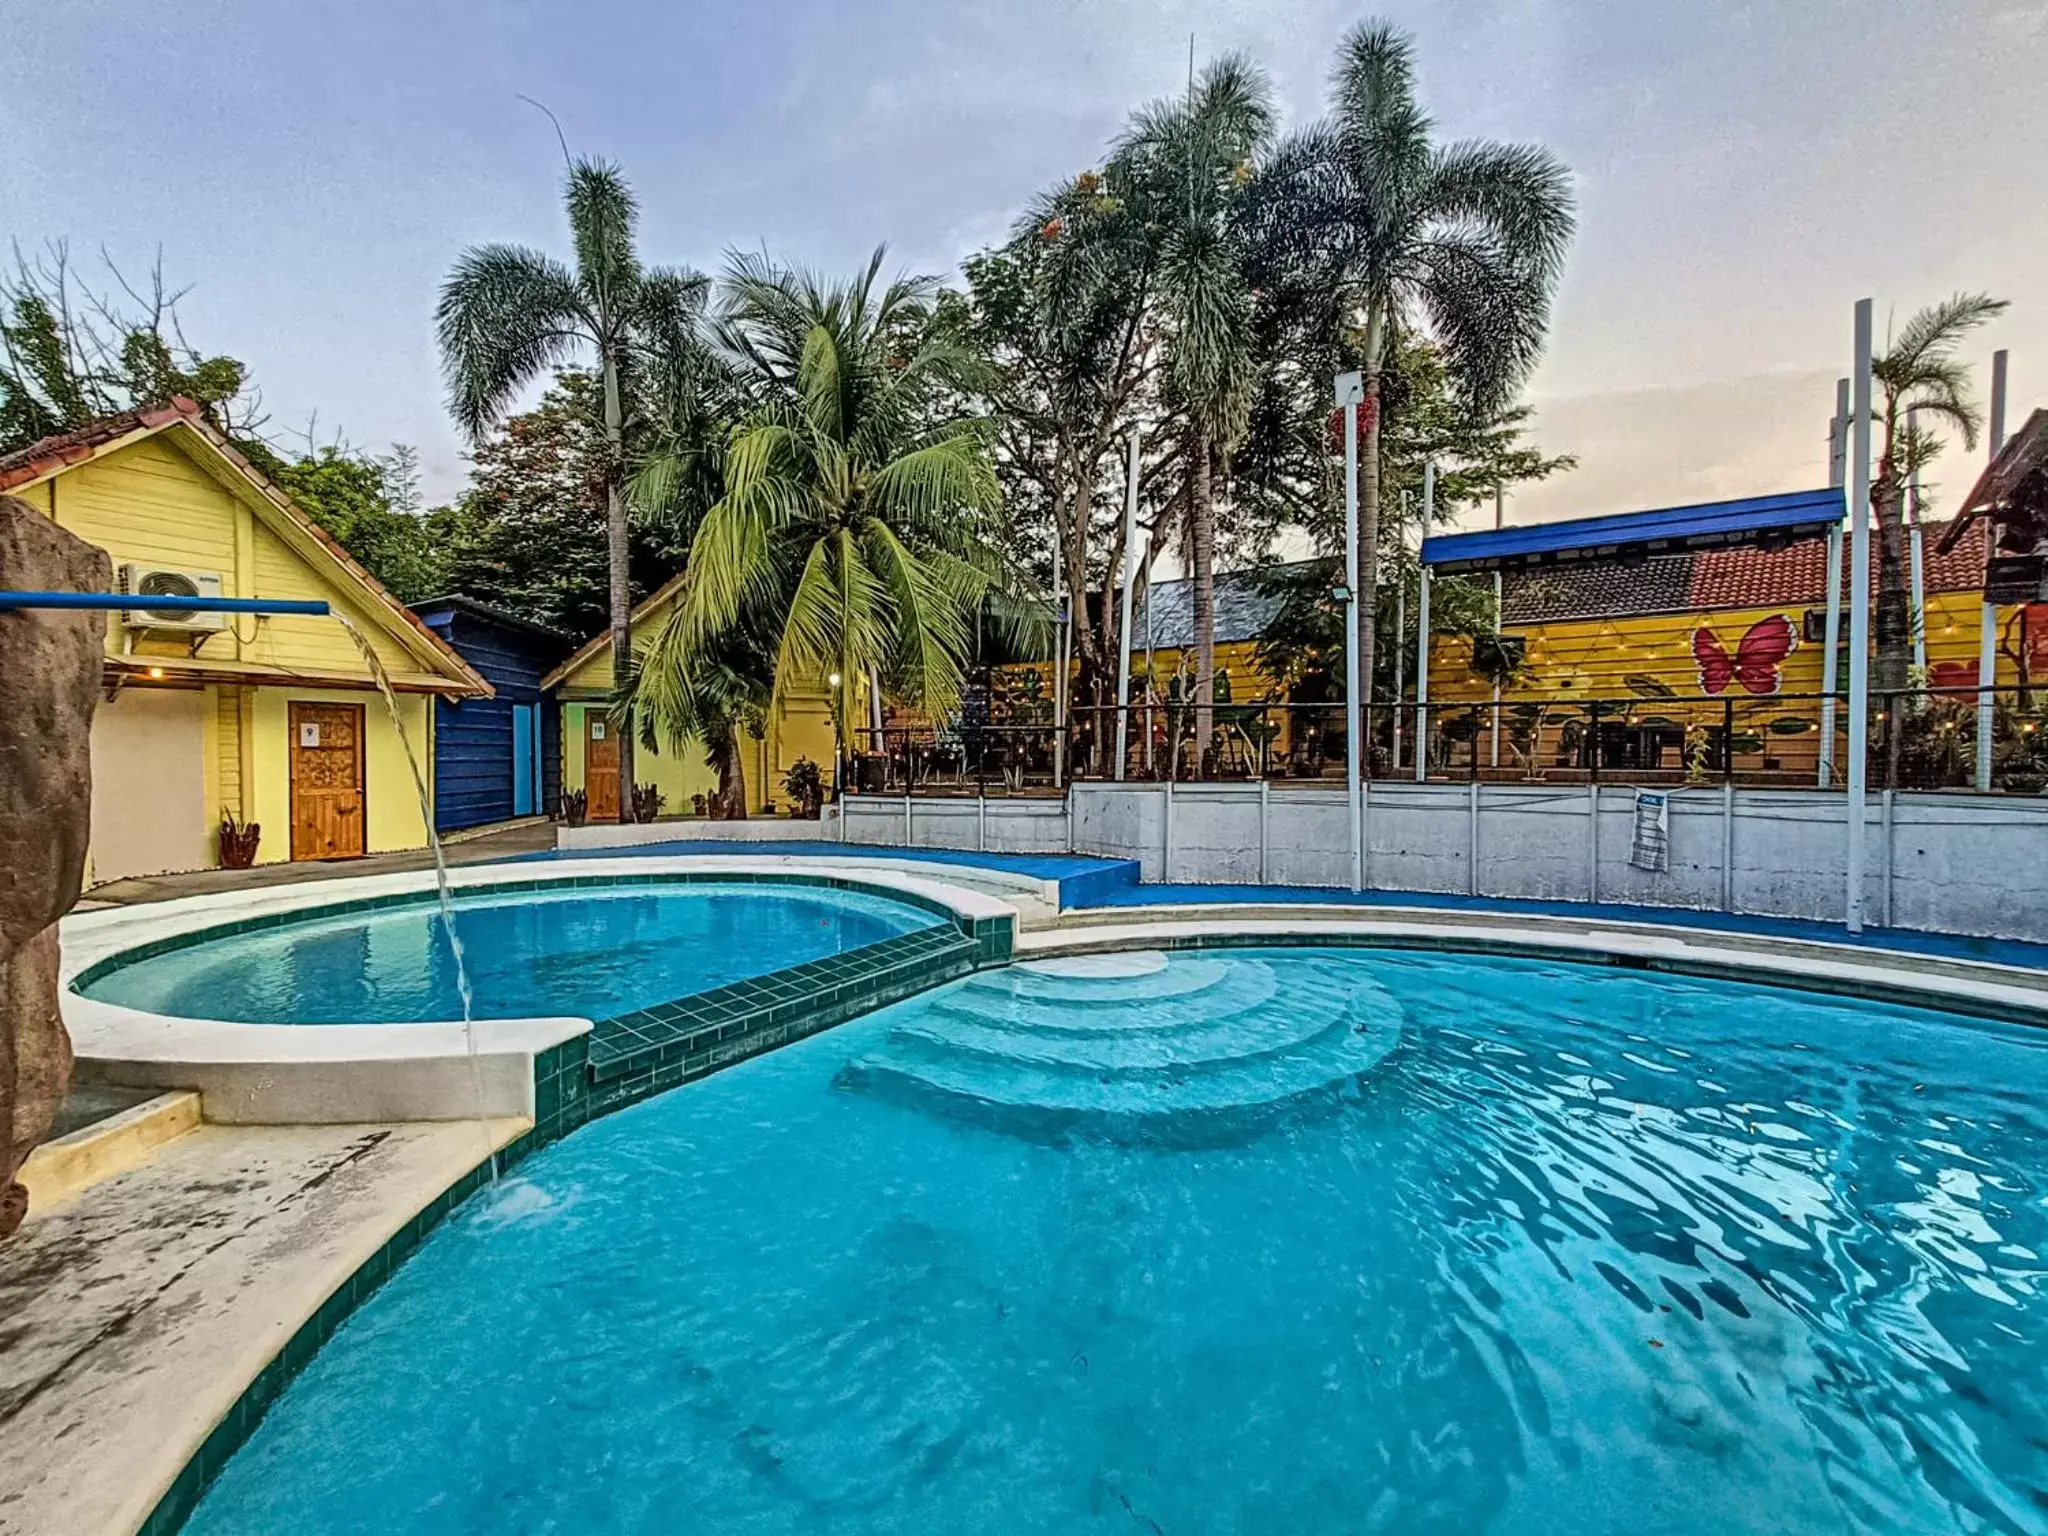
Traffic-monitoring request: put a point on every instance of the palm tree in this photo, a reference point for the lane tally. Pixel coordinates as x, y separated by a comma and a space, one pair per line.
509, 314
1462, 240
711, 697
855, 500
1919, 373
1182, 169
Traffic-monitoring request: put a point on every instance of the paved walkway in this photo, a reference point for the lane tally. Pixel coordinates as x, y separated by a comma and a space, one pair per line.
510, 842
136, 1312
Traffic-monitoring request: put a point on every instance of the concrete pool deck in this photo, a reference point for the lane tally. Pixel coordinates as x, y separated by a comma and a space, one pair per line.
139, 1311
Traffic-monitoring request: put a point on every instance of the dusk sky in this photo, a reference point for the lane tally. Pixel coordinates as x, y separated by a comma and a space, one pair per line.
1745, 172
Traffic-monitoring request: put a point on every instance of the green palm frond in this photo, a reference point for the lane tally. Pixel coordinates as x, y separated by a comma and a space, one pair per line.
603, 216
506, 315
931, 622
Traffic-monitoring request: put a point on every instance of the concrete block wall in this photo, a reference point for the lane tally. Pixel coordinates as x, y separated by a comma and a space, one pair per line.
1966, 864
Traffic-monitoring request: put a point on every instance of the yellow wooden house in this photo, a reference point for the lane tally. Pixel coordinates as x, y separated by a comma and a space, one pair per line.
799, 726
271, 720
1727, 644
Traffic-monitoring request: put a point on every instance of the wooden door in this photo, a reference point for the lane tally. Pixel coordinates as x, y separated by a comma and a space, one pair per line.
327, 781
600, 767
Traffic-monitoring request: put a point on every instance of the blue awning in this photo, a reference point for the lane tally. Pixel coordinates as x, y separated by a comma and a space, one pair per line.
1766, 520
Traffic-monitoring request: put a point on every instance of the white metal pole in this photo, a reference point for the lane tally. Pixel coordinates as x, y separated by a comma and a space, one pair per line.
1987, 621
1917, 551
1838, 469
1859, 614
1350, 390
1422, 627
1400, 639
1059, 659
1499, 518
1123, 665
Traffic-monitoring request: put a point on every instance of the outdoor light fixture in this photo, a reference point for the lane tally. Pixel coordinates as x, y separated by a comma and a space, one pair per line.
156, 671
833, 679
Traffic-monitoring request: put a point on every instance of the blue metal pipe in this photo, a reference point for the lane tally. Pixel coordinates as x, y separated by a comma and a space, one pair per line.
122, 600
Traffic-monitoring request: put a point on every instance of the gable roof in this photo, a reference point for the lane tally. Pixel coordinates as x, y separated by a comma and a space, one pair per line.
490, 613
2024, 453
603, 637
1244, 608
52, 456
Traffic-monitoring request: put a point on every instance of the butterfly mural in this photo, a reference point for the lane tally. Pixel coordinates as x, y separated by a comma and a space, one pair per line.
1758, 659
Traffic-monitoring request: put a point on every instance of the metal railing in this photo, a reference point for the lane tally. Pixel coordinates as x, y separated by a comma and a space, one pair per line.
1919, 739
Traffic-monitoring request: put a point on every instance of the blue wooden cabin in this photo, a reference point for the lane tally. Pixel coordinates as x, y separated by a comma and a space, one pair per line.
497, 758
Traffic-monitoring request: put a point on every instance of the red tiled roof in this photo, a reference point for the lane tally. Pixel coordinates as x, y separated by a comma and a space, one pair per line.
46, 454
1798, 573
1706, 580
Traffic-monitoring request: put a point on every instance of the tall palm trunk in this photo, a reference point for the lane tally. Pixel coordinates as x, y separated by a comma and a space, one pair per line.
729, 761
1367, 576
620, 574
1893, 618
1202, 547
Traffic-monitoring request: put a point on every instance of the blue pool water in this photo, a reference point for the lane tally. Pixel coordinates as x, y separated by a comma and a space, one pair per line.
1252, 1241
585, 953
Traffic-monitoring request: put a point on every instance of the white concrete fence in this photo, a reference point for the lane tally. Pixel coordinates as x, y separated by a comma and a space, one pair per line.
1964, 864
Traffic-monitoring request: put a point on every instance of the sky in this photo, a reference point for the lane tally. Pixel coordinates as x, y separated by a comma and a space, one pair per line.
1744, 173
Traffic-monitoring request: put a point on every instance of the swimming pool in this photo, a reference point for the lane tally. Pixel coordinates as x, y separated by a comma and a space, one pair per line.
583, 952
1250, 1240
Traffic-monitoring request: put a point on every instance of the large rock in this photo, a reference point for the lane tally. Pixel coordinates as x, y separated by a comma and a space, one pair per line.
48, 686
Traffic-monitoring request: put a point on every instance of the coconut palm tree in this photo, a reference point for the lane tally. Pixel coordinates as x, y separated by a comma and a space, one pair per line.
1181, 170
856, 499
509, 314
1918, 374
1464, 241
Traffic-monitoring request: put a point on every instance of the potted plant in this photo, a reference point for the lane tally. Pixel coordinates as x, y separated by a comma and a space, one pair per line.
647, 802
805, 786
575, 805
238, 840
697, 804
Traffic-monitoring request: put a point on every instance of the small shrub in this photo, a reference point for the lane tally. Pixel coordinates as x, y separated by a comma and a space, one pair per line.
575, 806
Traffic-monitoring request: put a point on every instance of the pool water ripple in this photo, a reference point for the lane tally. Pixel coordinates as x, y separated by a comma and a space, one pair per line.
1580, 1250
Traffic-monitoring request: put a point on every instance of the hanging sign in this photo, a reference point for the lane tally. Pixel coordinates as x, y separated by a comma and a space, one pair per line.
597, 730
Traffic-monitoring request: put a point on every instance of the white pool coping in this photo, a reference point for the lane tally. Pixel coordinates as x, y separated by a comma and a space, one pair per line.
279, 1073
1981, 988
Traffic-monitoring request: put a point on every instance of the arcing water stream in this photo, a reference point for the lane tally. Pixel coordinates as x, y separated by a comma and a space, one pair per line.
419, 779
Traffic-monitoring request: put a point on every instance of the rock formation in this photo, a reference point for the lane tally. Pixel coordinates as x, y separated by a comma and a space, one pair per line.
49, 683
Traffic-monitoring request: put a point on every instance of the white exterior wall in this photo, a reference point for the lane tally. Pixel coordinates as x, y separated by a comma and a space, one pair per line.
1967, 864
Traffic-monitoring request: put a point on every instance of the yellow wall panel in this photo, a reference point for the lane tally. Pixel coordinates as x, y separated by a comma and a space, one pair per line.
392, 807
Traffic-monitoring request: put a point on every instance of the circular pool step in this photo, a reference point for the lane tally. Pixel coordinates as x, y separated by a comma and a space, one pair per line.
1222, 1055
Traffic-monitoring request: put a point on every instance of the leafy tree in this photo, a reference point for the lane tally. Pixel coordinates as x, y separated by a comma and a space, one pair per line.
1059, 314
370, 504
1919, 373
1182, 168
508, 314
856, 507
527, 534
1464, 241
70, 354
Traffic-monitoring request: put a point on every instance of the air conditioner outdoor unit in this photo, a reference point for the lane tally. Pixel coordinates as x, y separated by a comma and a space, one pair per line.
139, 580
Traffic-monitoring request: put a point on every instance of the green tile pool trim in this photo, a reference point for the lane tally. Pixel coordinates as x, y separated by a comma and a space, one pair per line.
568, 1093
262, 921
